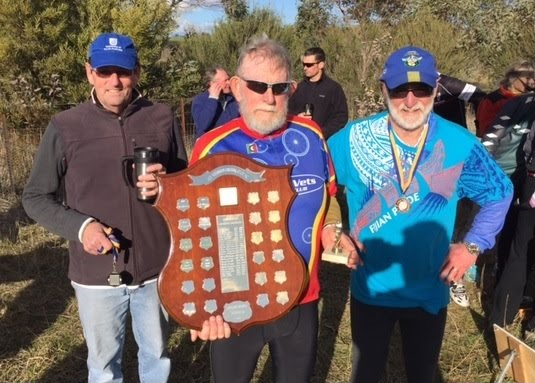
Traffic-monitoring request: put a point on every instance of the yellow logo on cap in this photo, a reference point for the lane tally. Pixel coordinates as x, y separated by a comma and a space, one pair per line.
413, 76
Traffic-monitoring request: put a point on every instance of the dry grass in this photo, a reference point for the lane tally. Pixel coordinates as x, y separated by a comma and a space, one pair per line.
41, 339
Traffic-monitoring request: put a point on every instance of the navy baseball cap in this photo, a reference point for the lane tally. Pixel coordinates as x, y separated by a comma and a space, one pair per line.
410, 64
113, 49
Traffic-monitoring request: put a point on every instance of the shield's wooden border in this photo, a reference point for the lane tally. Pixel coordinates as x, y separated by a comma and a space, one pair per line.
179, 186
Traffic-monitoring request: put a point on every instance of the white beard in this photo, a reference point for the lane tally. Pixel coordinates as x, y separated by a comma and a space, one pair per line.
272, 121
412, 122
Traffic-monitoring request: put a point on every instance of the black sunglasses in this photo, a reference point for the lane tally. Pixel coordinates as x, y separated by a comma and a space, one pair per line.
107, 72
419, 91
262, 87
309, 65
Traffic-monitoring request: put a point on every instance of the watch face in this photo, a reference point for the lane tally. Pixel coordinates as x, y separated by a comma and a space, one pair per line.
472, 248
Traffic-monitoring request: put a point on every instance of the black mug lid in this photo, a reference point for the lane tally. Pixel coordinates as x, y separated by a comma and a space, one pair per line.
147, 153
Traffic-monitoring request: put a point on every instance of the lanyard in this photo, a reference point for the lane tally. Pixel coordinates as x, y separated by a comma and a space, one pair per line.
405, 181
115, 248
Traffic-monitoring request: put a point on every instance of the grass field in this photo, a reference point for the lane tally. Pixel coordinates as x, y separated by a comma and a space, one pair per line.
41, 339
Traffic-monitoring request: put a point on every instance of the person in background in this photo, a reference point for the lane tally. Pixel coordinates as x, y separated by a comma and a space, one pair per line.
323, 100
450, 103
117, 243
404, 170
515, 120
267, 134
319, 97
519, 79
452, 96
504, 142
216, 105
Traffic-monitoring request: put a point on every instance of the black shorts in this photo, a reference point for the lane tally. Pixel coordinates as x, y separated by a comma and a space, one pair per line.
292, 342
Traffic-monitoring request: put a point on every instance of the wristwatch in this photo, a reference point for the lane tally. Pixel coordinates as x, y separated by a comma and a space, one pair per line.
472, 248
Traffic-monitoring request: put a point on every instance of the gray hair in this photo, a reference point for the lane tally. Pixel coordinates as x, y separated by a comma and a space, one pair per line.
520, 69
262, 46
210, 73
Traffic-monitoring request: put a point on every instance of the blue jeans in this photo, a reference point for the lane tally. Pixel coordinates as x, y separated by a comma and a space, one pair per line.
103, 313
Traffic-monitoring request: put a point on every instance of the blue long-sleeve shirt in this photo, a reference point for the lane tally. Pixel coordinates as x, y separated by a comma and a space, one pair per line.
211, 112
405, 249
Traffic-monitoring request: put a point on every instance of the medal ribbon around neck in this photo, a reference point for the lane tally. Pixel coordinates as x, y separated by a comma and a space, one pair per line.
405, 183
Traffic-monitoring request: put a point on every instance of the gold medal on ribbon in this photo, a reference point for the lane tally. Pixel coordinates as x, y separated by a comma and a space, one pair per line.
403, 204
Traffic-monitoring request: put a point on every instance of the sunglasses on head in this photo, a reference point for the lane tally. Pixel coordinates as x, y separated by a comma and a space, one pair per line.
107, 72
418, 90
262, 87
526, 74
309, 65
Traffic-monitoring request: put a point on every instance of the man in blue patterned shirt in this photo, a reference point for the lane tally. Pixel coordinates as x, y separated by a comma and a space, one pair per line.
404, 171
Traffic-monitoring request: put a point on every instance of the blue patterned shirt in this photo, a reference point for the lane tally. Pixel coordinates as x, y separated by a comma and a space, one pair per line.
405, 250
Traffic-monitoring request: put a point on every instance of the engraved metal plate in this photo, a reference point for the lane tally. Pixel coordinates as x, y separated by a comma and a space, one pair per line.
260, 278
277, 255
253, 198
184, 224
205, 223
232, 257
280, 276
257, 238
182, 204
189, 308
186, 244
282, 297
210, 306
262, 300
237, 311
231, 252
258, 257
255, 218
273, 196
274, 216
188, 287
206, 243
203, 203
207, 263
208, 284
186, 265
276, 235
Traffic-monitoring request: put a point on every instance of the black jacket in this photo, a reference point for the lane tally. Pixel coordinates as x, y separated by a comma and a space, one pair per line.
452, 94
328, 100
83, 148
506, 136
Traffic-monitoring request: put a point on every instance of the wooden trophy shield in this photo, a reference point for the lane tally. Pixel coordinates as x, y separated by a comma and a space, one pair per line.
231, 253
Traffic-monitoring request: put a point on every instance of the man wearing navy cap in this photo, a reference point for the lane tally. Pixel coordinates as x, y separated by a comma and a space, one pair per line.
117, 243
404, 170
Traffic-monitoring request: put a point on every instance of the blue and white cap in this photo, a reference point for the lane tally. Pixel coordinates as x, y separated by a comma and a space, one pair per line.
113, 49
410, 64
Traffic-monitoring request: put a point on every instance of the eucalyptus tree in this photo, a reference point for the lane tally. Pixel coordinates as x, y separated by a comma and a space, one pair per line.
313, 19
495, 32
43, 46
222, 45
